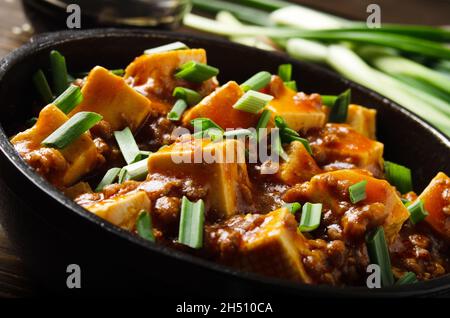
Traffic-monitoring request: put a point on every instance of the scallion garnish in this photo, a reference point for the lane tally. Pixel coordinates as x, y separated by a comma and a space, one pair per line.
328, 100
292, 207
417, 212
280, 122
379, 254
237, 133
357, 191
285, 72
77, 125
310, 218
69, 99
407, 278
144, 226
338, 113
262, 122
256, 82
405, 201
191, 223
292, 85
167, 47
188, 95
399, 176
135, 171
144, 154
289, 135
59, 72
123, 176
108, 179
41, 84
177, 110
252, 102
196, 72
277, 146
118, 72
205, 127
127, 145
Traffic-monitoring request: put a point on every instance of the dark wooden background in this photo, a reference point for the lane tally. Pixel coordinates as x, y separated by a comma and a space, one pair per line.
16, 30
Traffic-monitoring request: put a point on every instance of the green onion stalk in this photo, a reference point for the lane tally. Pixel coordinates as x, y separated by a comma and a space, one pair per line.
383, 59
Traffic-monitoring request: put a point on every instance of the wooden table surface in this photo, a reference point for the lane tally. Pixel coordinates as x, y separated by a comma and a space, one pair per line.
16, 30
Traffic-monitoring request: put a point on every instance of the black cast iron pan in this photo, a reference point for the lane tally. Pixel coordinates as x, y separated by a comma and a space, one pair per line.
51, 231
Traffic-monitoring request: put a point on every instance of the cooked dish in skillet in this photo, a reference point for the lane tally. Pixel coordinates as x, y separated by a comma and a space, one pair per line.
254, 175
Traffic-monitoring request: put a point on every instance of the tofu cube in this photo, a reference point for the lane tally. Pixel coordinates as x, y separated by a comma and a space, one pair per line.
218, 106
331, 188
300, 166
226, 180
80, 157
153, 76
362, 120
121, 210
436, 198
274, 248
108, 95
300, 111
340, 143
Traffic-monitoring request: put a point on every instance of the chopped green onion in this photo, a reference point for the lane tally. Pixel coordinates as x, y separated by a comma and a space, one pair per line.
31, 122
196, 72
206, 128
135, 171
177, 110
329, 100
41, 84
405, 201
289, 135
357, 191
292, 207
407, 278
144, 154
237, 133
304, 141
399, 176
379, 254
118, 72
108, 179
69, 99
262, 122
167, 47
277, 146
291, 85
280, 122
123, 176
188, 95
212, 133
191, 223
285, 72
417, 212
201, 124
310, 219
127, 145
252, 102
144, 226
256, 82
72, 129
59, 72
338, 113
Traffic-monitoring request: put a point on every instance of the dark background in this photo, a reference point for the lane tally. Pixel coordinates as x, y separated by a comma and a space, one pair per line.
16, 30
